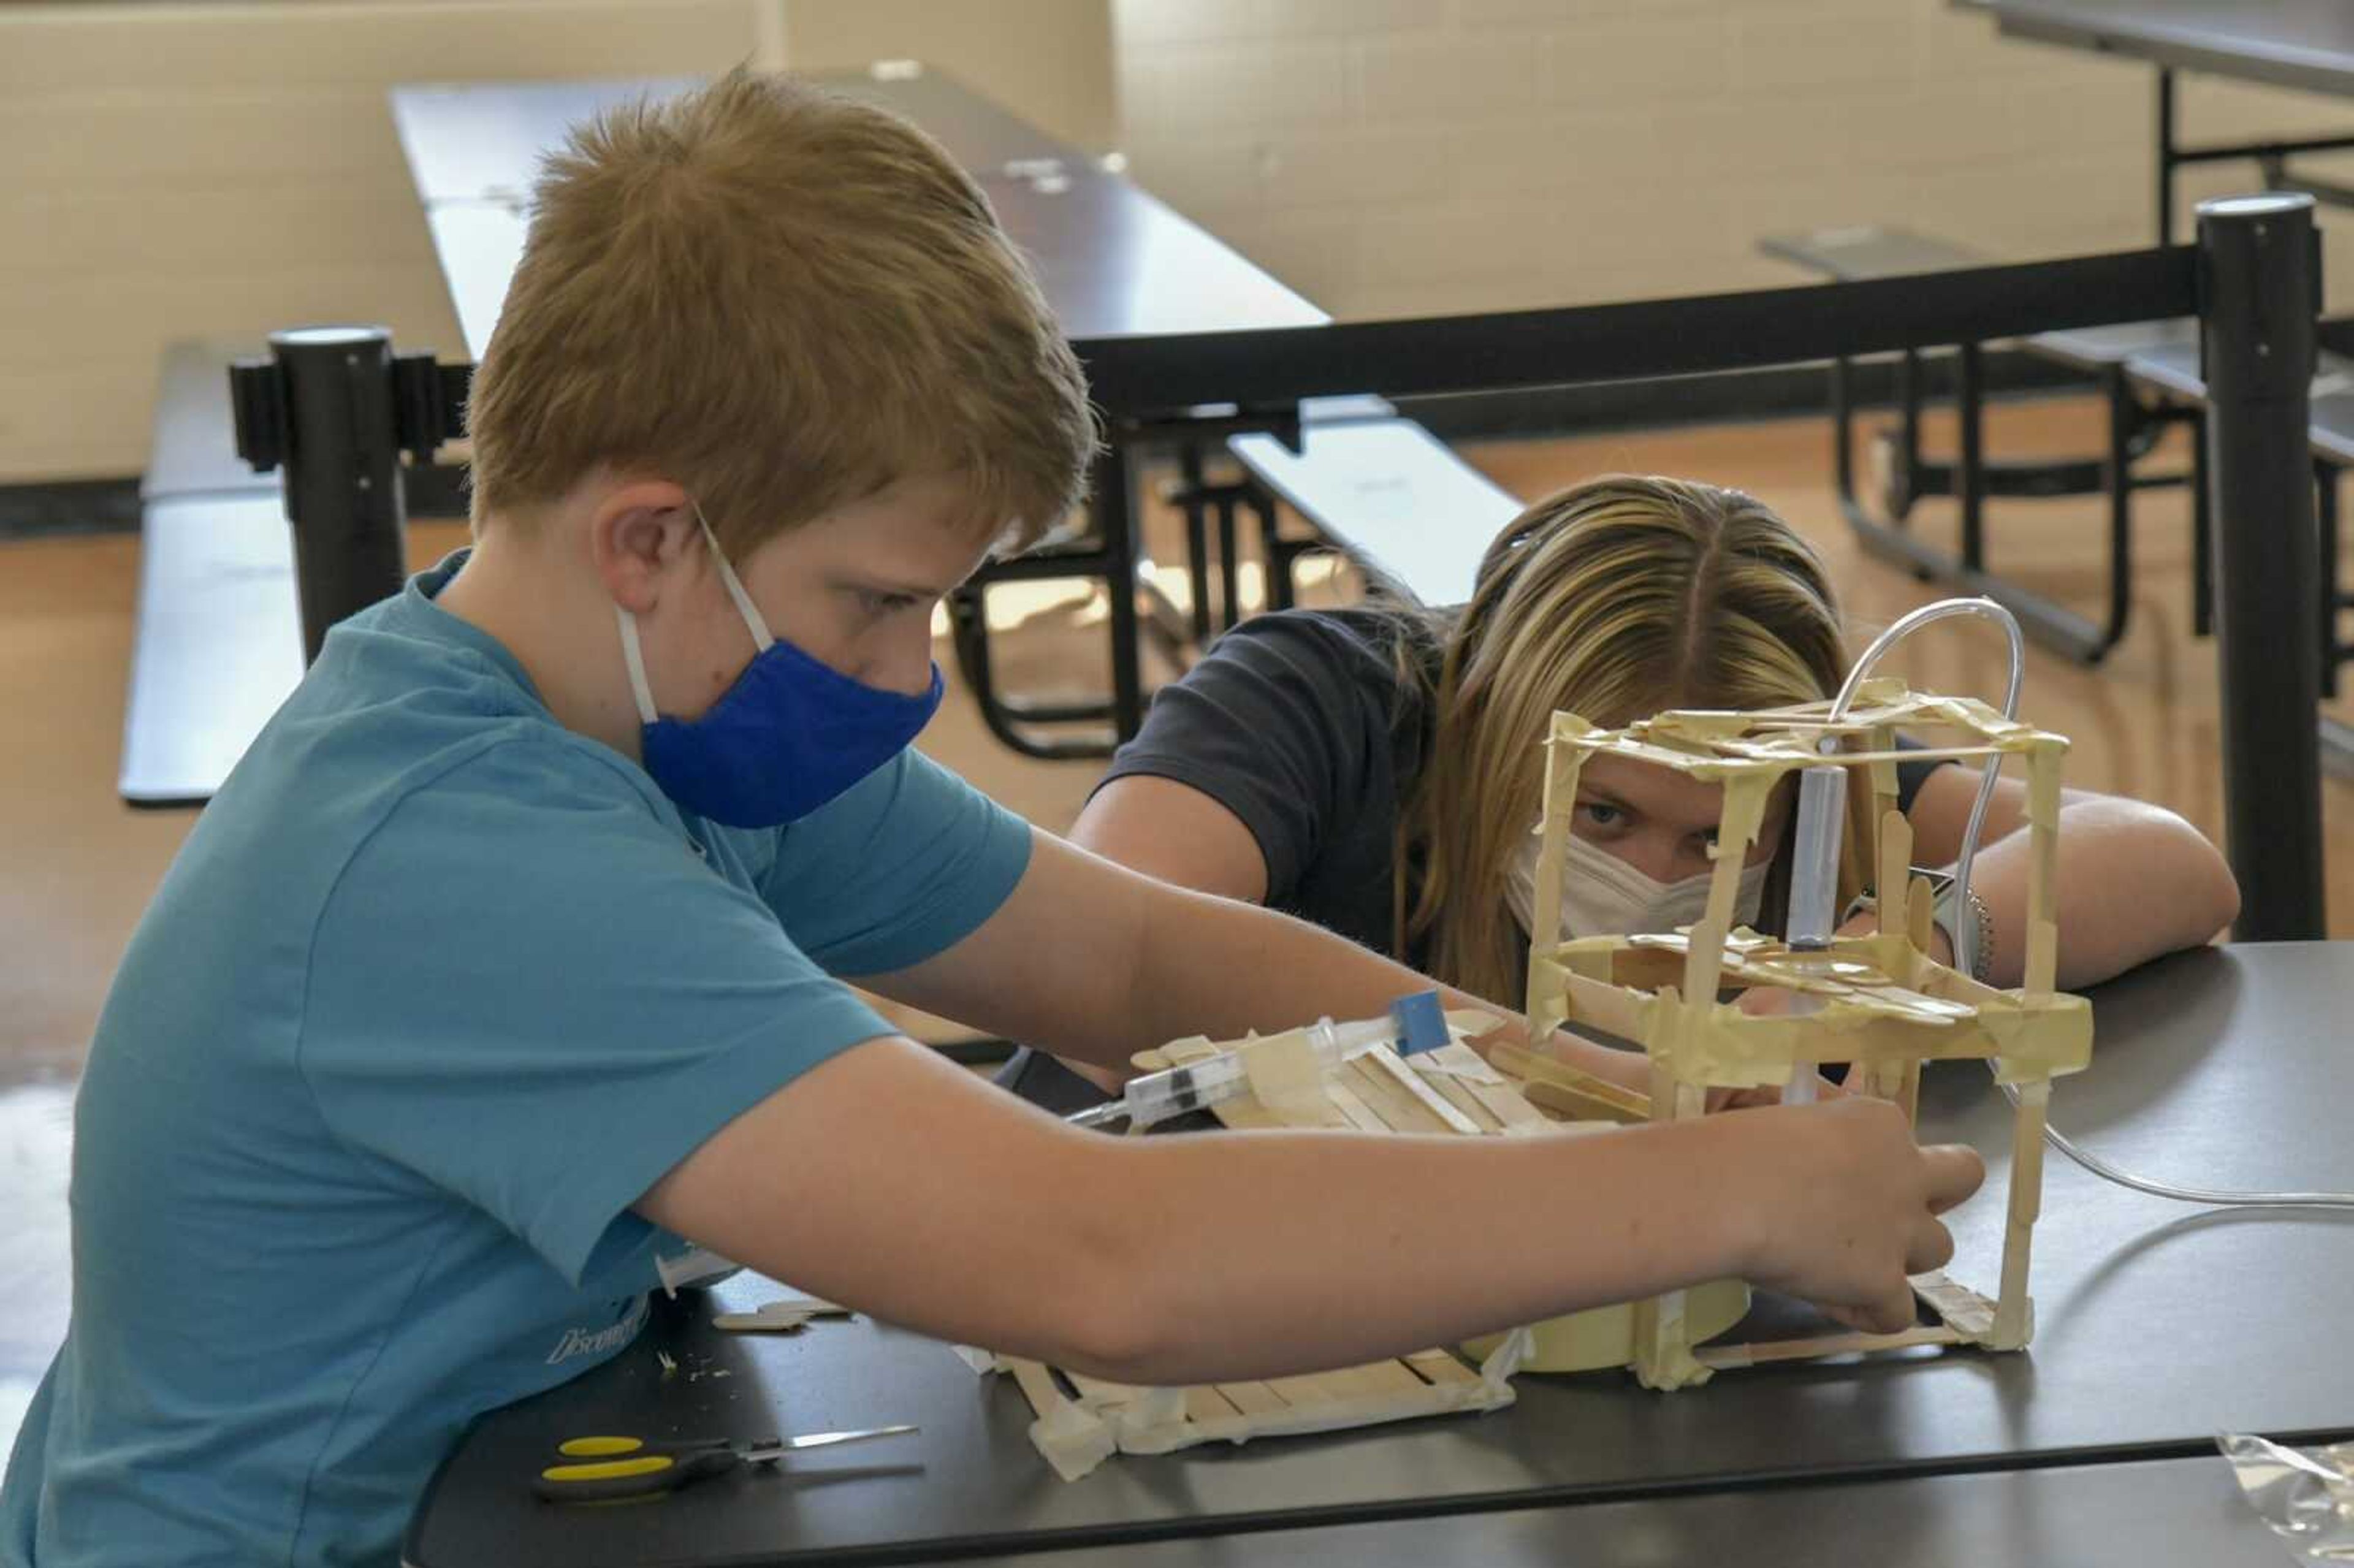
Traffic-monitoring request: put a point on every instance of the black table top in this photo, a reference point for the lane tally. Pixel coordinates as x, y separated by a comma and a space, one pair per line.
482, 140
2166, 1514
2304, 44
1113, 261
2158, 1327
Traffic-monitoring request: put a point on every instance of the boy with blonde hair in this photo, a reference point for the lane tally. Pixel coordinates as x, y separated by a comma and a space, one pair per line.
506, 961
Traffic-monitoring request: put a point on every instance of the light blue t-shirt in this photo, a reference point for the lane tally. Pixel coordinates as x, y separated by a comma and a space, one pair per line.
434, 991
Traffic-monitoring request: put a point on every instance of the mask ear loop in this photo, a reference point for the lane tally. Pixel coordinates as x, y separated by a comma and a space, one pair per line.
636, 660
761, 640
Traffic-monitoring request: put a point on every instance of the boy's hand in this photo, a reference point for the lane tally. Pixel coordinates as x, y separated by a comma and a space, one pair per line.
1853, 1211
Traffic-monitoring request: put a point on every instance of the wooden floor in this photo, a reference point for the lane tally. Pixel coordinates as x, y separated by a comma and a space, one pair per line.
78, 866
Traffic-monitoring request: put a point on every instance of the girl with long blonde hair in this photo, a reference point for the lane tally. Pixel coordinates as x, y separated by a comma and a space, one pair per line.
1376, 770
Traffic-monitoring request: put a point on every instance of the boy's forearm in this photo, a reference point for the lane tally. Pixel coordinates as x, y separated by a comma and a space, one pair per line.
942, 1204
1359, 1248
1216, 967
1219, 967
945, 1206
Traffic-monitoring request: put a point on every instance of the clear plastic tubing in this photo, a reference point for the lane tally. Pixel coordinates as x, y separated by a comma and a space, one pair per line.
1965, 930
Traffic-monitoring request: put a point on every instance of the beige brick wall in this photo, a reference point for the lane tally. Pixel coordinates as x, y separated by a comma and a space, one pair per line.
1048, 60
173, 170
190, 168
185, 167
1398, 157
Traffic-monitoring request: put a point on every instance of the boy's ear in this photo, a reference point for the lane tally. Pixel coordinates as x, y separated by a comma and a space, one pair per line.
640, 532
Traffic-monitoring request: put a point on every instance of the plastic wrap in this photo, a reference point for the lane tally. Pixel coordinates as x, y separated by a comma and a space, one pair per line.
2305, 1495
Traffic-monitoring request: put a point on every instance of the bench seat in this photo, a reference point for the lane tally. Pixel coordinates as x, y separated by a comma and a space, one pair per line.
218, 642
1391, 497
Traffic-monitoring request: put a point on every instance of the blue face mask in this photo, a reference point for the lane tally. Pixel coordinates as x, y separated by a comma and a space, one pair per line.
789, 734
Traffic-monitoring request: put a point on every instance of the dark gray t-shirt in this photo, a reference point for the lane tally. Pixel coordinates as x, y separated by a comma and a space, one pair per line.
1298, 724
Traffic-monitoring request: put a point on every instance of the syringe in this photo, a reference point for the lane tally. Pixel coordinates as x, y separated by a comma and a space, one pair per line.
1416, 1023
1814, 891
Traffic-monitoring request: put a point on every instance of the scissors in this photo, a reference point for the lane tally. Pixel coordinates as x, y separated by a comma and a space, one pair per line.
612, 1469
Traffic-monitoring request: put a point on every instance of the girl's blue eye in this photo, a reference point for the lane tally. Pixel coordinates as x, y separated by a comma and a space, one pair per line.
882, 604
1601, 814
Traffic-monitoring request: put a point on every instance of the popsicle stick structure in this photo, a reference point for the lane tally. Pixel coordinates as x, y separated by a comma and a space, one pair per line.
1082, 1421
1878, 1001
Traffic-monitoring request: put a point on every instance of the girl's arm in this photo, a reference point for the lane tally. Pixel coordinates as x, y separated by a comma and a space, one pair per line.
1174, 833
2134, 881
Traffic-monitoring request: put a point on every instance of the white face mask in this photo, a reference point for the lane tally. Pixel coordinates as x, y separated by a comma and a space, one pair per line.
1602, 896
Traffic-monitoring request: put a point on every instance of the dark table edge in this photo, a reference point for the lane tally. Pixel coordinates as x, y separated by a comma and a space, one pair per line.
2165, 45
1271, 1521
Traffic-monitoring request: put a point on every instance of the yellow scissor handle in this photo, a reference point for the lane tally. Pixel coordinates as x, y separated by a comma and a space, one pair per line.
609, 1469
599, 1447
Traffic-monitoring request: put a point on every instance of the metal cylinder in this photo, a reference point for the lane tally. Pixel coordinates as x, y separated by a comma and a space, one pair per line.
2260, 266
342, 472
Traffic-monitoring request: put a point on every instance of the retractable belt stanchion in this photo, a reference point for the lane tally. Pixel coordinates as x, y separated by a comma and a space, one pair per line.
2260, 286
335, 408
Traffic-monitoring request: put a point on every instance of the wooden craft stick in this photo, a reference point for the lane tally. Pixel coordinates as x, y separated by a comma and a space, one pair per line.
1391, 1377
1038, 1387
2043, 867
1578, 1105
1244, 1114
1458, 1062
1884, 778
1353, 1106
1097, 1393
1438, 1367
1511, 1108
1920, 914
1895, 871
1964, 1310
1205, 1403
1563, 762
1531, 1067
1285, 1075
1390, 1100
1252, 1398
1458, 1093
2013, 1313
1389, 1064
1313, 1388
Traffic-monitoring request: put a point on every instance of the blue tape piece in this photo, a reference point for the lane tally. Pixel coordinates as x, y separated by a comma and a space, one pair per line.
1421, 1022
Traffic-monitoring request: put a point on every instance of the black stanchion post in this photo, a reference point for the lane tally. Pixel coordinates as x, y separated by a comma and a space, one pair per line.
2259, 269
325, 405
1115, 503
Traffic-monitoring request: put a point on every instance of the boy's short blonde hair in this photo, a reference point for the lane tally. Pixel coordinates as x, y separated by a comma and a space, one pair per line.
783, 300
